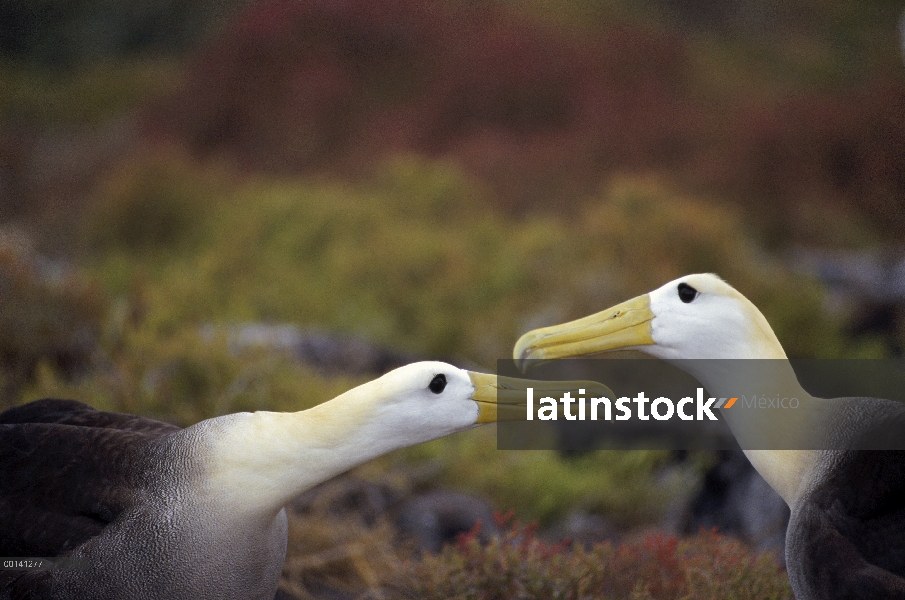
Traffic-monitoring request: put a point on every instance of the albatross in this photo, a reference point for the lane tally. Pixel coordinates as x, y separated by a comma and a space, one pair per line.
145, 509
846, 535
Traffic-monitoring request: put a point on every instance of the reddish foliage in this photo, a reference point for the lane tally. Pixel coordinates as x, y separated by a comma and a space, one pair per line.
293, 85
467, 540
849, 144
540, 113
518, 565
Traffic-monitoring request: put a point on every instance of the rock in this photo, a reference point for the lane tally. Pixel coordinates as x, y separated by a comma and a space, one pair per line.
327, 352
583, 528
737, 501
348, 497
437, 518
866, 289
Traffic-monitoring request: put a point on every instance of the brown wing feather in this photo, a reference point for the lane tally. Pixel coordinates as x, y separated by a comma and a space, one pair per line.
66, 471
70, 412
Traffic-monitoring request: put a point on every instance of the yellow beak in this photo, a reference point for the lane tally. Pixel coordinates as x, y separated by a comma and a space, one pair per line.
505, 398
623, 326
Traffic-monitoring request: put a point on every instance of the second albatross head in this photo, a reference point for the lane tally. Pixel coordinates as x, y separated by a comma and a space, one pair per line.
696, 316
702, 317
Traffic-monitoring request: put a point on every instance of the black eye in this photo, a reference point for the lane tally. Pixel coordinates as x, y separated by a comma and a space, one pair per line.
687, 293
438, 383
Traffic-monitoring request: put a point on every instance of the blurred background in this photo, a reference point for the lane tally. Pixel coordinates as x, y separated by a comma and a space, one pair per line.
213, 206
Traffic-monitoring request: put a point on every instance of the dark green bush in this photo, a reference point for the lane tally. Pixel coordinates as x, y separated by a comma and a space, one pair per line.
151, 204
418, 260
48, 313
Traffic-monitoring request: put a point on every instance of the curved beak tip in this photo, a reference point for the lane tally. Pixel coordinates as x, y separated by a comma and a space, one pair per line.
523, 352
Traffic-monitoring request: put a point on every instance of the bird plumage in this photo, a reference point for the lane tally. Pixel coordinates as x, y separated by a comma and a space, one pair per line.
69, 473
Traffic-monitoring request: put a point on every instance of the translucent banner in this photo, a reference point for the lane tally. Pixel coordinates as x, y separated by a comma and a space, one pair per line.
709, 404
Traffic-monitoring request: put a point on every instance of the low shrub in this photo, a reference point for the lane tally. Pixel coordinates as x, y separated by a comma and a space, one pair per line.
339, 555
331, 555
518, 565
416, 259
151, 204
187, 377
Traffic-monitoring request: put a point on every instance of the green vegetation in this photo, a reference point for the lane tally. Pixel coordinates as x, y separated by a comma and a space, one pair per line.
88, 96
762, 47
417, 259
48, 315
188, 377
539, 485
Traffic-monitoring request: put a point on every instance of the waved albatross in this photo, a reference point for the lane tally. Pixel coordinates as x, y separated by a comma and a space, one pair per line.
846, 535
153, 511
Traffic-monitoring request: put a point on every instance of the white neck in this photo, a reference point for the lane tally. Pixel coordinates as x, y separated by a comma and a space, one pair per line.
758, 363
769, 427
258, 462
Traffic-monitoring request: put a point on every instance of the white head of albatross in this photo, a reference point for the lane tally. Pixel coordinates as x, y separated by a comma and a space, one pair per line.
692, 318
159, 512
848, 506
266, 459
